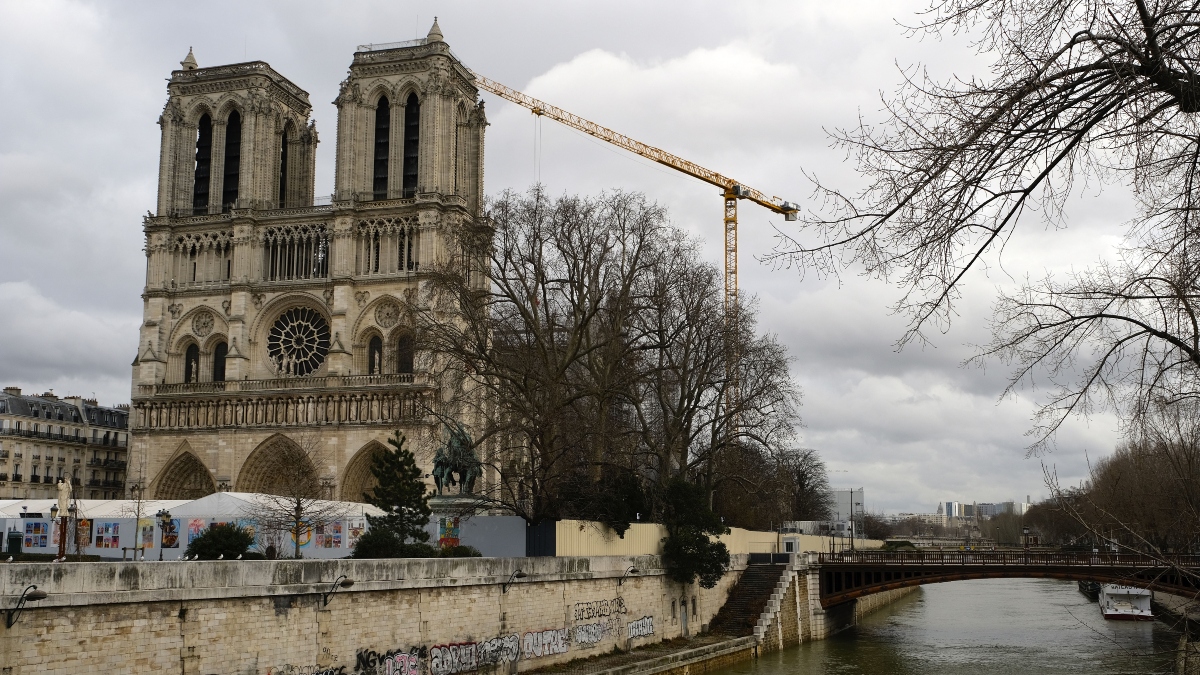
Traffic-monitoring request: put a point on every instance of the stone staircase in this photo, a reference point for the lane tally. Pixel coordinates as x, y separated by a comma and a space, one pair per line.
748, 600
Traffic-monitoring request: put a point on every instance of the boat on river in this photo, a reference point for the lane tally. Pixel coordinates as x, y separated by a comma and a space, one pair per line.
1091, 589
1125, 603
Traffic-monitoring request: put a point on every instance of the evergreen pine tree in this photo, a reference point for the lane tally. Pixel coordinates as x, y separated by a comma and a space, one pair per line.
400, 493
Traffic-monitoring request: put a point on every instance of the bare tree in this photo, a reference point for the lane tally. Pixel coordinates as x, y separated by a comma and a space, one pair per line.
1077, 91
587, 351
300, 497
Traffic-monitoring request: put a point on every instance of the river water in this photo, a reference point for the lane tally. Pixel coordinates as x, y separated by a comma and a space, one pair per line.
991, 626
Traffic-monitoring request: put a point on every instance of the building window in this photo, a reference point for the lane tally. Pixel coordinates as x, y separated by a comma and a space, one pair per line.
233, 156
296, 252
673, 614
383, 127
404, 353
203, 164
283, 169
191, 364
219, 353
375, 356
412, 144
298, 342
693, 606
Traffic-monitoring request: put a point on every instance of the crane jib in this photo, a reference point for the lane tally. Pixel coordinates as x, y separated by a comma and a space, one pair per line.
727, 185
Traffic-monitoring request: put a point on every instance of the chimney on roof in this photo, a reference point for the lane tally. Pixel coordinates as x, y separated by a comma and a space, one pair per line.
50, 395
13, 391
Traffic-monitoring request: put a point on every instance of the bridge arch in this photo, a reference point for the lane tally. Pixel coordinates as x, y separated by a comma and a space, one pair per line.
845, 577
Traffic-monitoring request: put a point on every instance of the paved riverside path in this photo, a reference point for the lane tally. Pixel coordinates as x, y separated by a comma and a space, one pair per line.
647, 655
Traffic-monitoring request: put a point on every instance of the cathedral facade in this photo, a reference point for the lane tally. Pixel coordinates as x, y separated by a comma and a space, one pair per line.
270, 319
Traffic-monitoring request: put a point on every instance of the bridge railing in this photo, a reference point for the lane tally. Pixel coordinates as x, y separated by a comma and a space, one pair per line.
1024, 558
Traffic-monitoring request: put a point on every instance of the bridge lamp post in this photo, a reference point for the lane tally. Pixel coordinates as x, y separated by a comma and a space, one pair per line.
1025, 536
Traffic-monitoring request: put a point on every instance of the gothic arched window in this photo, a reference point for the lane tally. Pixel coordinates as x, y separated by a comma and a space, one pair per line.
283, 169
191, 364
404, 353
412, 143
233, 156
383, 127
203, 163
219, 354
375, 356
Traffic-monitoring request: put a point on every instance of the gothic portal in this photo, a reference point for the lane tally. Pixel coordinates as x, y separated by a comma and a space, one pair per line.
271, 319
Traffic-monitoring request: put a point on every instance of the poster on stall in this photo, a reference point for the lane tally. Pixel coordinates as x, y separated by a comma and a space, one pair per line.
108, 535
146, 527
36, 534
195, 529
334, 536
447, 532
250, 526
170, 534
83, 532
302, 534
355, 529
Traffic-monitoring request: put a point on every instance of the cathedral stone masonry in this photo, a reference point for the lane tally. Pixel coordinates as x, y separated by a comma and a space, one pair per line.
268, 317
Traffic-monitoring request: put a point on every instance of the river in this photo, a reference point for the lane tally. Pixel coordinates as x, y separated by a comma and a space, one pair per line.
992, 626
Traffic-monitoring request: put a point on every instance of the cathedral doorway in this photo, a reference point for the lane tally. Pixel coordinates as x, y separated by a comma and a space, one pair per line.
185, 477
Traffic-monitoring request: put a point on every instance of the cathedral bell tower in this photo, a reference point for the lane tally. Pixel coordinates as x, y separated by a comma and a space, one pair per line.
271, 319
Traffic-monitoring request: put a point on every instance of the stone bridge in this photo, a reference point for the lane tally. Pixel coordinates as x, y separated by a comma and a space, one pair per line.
849, 575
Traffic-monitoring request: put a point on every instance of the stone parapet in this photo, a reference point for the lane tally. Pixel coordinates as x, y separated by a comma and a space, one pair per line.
440, 616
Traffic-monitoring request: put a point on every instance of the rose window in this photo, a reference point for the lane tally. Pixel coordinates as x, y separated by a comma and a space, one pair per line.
298, 342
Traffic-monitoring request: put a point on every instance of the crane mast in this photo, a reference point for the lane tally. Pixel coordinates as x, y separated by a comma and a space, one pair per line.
731, 192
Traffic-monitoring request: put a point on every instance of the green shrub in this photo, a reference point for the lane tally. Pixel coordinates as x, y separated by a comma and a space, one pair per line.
459, 552
225, 540
382, 543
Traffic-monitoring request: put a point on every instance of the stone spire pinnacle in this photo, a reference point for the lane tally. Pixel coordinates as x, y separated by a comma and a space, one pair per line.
189, 62
435, 33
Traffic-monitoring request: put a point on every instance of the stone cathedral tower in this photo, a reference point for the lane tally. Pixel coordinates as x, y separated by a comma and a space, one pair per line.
271, 319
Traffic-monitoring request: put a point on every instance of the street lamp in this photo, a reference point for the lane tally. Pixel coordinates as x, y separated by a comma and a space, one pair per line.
341, 582
30, 594
73, 527
164, 521
1025, 536
630, 571
515, 575
61, 533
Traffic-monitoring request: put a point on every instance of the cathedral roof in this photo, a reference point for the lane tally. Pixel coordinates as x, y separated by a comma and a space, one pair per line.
189, 62
435, 33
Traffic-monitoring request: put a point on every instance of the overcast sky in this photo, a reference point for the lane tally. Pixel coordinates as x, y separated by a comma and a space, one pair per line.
744, 88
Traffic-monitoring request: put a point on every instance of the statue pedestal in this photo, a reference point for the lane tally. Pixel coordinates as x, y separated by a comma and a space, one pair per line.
454, 505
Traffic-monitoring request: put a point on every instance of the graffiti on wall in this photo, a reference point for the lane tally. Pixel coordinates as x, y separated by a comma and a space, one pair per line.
596, 609
306, 670
394, 662
452, 658
643, 627
545, 643
589, 634
506, 649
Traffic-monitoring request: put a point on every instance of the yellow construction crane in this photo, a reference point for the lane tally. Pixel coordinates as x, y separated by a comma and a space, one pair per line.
731, 190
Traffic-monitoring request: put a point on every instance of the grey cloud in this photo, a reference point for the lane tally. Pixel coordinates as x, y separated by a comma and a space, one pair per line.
748, 93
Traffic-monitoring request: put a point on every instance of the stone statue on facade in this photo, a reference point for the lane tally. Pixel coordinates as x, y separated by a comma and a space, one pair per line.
456, 458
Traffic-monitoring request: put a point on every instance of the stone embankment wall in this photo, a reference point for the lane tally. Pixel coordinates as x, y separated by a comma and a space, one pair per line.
795, 615
401, 617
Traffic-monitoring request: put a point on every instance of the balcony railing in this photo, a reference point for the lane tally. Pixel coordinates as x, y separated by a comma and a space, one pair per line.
328, 382
3, 477
16, 478
48, 479
55, 436
107, 463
